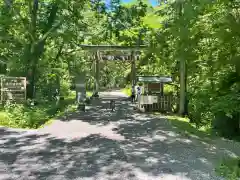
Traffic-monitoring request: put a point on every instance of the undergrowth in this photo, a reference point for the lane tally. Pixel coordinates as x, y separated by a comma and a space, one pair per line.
229, 168
26, 116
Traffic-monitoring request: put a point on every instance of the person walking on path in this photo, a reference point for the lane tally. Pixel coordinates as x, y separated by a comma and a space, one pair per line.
133, 96
138, 92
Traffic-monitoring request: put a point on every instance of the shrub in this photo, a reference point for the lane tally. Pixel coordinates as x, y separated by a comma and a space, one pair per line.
22, 116
229, 168
226, 110
27, 116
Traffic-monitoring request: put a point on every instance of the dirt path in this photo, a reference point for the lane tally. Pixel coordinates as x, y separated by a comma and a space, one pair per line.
104, 145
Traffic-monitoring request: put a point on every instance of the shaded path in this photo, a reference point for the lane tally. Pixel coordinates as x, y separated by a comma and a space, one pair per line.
103, 145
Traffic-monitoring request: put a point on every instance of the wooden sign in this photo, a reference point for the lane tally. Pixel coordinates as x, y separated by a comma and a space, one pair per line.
148, 99
155, 87
13, 88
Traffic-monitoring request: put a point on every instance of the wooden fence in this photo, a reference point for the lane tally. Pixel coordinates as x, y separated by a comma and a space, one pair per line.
156, 103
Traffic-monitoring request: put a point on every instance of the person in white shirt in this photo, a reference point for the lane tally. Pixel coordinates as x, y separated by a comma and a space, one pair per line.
138, 92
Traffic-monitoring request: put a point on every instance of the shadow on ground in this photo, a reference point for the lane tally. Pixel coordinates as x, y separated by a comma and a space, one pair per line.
150, 148
99, 112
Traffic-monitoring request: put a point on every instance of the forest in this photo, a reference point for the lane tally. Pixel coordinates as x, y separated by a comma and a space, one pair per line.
40, 40
197, 43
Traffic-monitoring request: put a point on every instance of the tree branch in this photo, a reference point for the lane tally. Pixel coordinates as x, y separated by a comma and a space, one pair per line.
59, 53
46, 35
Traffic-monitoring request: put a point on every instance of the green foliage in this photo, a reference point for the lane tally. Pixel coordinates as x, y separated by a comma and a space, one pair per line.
183, 126
23, 117
26, 116
169, 88
127, 90
42, 44
4, 119
229, 168
204, 35
89, 94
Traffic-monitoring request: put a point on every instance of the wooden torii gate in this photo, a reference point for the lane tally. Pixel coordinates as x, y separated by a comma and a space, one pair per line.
114, 53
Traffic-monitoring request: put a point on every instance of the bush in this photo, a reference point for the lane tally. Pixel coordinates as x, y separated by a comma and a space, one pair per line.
229, 168
26, 116
221, 111
169, 88
65, 88
199, 108
21, 116
226, 126
226, 110
3, 119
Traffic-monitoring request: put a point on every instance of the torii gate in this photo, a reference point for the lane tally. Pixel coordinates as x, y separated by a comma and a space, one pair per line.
114, 52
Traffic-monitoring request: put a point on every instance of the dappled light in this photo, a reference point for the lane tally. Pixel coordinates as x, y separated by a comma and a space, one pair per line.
130, 145
119, 90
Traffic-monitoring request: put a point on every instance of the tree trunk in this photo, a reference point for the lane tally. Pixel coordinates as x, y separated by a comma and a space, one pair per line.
97, 73
33, 8
186, 93
182, 73
182, 86
37, 44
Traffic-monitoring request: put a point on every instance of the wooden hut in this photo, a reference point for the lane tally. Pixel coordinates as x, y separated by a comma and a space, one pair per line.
152, 96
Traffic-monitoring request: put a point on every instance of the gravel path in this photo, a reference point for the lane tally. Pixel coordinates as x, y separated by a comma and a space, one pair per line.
103, 145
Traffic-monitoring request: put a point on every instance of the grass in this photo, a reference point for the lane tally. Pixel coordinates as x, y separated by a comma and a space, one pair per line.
185, 128
68, 108
229, 168
191, 128
3, 118
23, 116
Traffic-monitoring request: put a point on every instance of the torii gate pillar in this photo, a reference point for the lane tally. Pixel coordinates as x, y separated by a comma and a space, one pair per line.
97, 74
133, 72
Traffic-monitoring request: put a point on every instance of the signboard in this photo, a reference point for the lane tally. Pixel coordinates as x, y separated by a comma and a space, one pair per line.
13, 88
155, 87
80, 85
148, 99
116, 57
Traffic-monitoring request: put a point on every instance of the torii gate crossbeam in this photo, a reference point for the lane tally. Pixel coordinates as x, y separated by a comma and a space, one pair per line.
104, 50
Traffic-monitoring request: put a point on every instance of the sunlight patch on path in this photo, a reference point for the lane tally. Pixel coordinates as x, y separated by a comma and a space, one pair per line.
76, 129
102, 145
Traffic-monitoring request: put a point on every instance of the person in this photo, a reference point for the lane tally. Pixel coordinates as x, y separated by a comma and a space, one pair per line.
78, 97
133, 94
112, 105
138, 92
80, 105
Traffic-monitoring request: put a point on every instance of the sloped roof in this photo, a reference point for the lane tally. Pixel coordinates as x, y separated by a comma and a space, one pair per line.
157, 79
